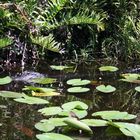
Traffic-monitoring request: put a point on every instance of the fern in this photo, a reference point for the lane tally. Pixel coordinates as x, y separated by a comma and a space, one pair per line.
47, 42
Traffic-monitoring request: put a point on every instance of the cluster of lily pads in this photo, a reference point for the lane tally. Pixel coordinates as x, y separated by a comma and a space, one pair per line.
71, 114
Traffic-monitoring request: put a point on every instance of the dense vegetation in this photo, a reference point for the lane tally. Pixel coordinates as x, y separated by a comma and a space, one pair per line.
77, 28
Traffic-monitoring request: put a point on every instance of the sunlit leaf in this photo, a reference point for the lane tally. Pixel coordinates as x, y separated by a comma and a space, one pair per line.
5, 80
114, 115
10, 94
137, 89
95, 122
59, 67
45, 94
77, 89
74, 123
50, 110
106, 89
52, 136
0, 124
131, 76
75, 104
78, 82
31, 100
108, 68
45, 127
44, 80
4, 42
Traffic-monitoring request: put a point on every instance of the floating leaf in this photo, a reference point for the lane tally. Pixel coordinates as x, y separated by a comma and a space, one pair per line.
95, 122
0, 124
45, 94
78, 82
114, 115
77, 89
50, 110
131, 76
75, 104
106, 89
5, 80
77, 124
59, 67
31, 100
52, 136
108, 68
44, 80
45, 127
10, 94
137, 89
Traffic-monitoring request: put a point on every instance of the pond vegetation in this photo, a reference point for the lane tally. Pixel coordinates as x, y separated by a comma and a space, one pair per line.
69, 69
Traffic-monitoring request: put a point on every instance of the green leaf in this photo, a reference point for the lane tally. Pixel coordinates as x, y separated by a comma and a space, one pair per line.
75, 105
45, 127
114, 115
106, 89
59, 67
108, 68
44, 80
10, 94
50, 110
4, 42
137, 89
131, 76
74, 123
5, 80
31, 100
0, 124
78, 82
77, 89
95, 122
52, 136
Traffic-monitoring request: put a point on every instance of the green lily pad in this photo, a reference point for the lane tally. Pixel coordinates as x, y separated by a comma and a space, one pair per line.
137, 89
5, 80
43, 80
106, 89
50, 110
45, 127
52, 136
114, 115
54, 67
108, 68
77, 89
31, 100
74, 123
95, 122
75, 105
10, 94
131, 76
78, 82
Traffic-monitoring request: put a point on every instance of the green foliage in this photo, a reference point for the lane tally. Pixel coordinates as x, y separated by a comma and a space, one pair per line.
4, 42
106, 89
5, 80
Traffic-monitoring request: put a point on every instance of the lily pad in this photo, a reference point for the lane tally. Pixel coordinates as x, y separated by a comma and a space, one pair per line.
43, 80
10, 94
77, 89
108, 68
52, 136
47, 111
45, 127
75, 105
95, 122
78, 82
5, 80
0, 124
74, 123
31, 100
137, 89
106, 89
54, 67
131, 76
114, 115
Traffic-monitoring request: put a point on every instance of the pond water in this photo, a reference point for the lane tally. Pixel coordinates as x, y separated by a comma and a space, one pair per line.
19, 119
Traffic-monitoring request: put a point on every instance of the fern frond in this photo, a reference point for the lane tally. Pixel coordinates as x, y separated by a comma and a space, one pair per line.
47, 42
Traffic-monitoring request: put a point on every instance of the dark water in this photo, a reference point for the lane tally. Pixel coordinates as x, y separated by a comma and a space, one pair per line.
18, 119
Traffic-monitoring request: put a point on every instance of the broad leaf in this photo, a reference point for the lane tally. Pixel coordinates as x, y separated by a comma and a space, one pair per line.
137, 89
95, 122
5, 80
106, 89
52, 136
43, 80
108, 68
10, 94
45, 94
78, 82
114, 115
75, 104
50, 110
31, 100
77, 90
